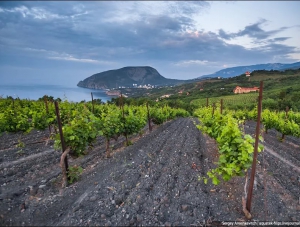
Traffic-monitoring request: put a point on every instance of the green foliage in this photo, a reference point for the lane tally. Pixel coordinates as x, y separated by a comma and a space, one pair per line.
74, 173
235, 148
110, 121
134, 119
24, 115
287, 125
158, 116
80, 131
41, 120
80, 126
20, 144
269, 104
16, 120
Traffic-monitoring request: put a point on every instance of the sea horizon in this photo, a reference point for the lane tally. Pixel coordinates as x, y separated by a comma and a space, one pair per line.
71, 93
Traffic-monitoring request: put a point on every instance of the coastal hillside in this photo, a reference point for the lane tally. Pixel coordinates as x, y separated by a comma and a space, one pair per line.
126, 77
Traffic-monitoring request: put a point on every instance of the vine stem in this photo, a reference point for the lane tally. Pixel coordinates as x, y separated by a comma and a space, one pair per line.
63, 167
246, 212
107, 148
246, 183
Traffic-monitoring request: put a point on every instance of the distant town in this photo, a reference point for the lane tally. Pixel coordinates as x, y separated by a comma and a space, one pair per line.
115, 92
148, 86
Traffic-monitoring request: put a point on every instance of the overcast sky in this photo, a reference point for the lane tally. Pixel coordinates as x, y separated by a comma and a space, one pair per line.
64, 42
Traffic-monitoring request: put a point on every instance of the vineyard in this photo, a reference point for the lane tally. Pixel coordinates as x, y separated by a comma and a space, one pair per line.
144, 165
242, 101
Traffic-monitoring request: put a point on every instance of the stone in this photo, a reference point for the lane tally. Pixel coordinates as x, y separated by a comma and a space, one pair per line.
132, 221
42, 186
168, 224
22, 207
32, 191
108, 223
118, 200
184, 207
40, 192
139, 218
93, 198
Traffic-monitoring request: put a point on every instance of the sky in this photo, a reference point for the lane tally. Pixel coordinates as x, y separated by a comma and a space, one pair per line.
47, 42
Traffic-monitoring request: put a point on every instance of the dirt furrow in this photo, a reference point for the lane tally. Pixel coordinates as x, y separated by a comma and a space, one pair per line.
153, 182
138, 183
99, 178
289, 147
269, 150
25, 159
284, 174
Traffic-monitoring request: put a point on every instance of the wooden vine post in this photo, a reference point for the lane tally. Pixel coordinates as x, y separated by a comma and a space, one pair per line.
15, 112
122, 106
107, 147
251, 183
92, 101
221, 108
46, 103
286, 118
64, 159
13, 102
149, 121
47, 109
207, 102
120, 101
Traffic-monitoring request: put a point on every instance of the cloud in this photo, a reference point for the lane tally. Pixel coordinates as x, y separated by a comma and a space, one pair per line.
280, 39
65, 56
254, 31
71, 58
187, 8
107, 34
34, 12
191, 62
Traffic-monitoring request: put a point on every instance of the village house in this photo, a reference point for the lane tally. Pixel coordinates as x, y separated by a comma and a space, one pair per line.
241, 90
165, 96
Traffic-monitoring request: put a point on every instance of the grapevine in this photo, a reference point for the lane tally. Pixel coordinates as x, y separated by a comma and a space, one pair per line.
235, 148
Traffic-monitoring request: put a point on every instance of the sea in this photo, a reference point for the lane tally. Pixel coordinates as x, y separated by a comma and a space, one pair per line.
34, 92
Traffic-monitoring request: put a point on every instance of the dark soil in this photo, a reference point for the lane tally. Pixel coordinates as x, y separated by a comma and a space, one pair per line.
152, 182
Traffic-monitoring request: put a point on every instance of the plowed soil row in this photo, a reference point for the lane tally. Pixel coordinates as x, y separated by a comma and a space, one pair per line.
155, 181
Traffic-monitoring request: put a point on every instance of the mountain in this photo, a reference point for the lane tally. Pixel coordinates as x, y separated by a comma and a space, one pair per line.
126, 77
236, 71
